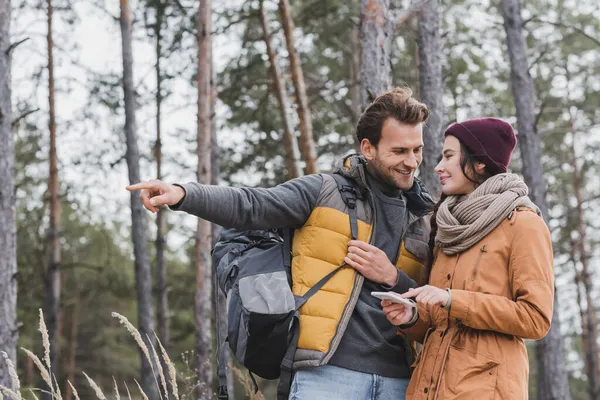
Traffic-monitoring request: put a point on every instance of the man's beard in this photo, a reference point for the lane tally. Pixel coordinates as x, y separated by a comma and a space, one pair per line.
380, 171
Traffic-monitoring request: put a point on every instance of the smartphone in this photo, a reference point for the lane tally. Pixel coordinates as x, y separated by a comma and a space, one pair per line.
394, 298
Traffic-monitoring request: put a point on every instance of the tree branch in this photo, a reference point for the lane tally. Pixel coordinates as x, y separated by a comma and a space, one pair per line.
401, 16
22, 116
105, 11
14, 45
118, 161
575, 28
538, 58
72, 265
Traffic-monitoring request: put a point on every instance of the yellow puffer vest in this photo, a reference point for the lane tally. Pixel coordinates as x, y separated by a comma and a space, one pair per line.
318, 248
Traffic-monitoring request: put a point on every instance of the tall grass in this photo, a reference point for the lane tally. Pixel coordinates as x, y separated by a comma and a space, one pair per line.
166, 383
49, 378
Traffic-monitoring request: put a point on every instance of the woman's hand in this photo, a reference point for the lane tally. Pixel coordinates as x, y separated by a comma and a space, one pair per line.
428, 295
397, 314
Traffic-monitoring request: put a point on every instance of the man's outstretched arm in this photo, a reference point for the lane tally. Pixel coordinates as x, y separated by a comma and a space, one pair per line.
285, 205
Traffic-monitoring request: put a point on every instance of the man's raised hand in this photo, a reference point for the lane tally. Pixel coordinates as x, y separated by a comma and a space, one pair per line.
155, 193
371, 262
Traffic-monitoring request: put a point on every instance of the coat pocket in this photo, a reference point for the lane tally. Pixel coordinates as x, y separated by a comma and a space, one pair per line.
482, 250
469, 375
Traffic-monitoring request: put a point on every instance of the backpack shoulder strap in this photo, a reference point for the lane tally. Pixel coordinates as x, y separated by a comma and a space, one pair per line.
349, 196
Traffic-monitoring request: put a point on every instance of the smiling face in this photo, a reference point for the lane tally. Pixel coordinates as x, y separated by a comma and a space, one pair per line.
451, 169
398, 154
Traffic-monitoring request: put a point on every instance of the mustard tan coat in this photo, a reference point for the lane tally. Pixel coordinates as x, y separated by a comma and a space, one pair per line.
502, 293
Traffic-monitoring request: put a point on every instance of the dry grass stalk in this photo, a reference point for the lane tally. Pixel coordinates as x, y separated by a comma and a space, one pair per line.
96, 388
170, 367
127, 388
58, 394
33, 394
43, 371
161, 373
248, 385
75, 394
45, 341
9, 392
141, 390
140, 341
13, 375
116, 387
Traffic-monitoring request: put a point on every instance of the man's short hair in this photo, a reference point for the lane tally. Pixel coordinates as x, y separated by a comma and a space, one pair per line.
396, 103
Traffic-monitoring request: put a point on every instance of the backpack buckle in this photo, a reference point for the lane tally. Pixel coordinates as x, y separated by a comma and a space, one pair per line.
223, 394
351, 202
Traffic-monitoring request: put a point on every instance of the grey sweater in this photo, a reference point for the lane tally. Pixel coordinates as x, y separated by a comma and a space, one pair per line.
370, 343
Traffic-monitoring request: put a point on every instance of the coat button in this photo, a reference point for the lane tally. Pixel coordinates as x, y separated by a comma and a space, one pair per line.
449, 276
426, 390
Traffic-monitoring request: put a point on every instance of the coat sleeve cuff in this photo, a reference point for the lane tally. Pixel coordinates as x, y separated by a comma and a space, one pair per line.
462, 301
413, 321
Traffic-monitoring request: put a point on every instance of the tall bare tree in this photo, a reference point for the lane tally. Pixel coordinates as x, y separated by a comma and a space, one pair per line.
143, 278
53, 265
307, 142
203, 298
162, 301
8, 228
552, 380
219, 298
431, 89
589, 321
376, 32
292, 152
355, 86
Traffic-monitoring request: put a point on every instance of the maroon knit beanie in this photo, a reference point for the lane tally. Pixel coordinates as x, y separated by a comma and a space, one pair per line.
490, 139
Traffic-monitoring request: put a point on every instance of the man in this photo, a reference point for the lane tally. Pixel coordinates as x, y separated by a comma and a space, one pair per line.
347, 349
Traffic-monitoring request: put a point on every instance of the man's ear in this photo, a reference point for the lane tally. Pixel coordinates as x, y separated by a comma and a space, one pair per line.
368, 150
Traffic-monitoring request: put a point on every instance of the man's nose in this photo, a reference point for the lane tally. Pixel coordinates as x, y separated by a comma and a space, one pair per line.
411, 161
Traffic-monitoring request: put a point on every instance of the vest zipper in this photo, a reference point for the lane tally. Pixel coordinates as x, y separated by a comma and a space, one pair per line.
481, 251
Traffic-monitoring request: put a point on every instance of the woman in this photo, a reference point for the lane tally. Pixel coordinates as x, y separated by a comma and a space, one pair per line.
491, 281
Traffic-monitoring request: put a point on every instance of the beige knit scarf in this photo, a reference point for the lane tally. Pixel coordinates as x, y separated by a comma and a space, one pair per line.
464, 220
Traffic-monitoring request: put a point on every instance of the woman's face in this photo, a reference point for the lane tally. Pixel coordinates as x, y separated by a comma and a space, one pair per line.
453, 180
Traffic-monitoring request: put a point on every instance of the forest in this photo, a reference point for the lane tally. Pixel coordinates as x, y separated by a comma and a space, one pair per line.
96, 95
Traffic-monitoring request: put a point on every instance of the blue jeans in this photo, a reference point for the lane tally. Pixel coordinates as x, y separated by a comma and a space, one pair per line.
329, 382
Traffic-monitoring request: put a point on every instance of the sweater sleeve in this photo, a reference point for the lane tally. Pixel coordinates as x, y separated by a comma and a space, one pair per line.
529, 313
284, 206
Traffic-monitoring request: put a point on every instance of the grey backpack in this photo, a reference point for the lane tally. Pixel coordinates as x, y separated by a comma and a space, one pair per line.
253, 269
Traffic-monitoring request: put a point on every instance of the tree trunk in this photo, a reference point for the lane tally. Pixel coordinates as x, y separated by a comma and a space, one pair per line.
289, 140
552, 382
307, 142
432, 90
376, 32
203, 298
143, 278
162, 309
72, 348
8, 228
355, 76
589, 320
53, 266
221, 317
